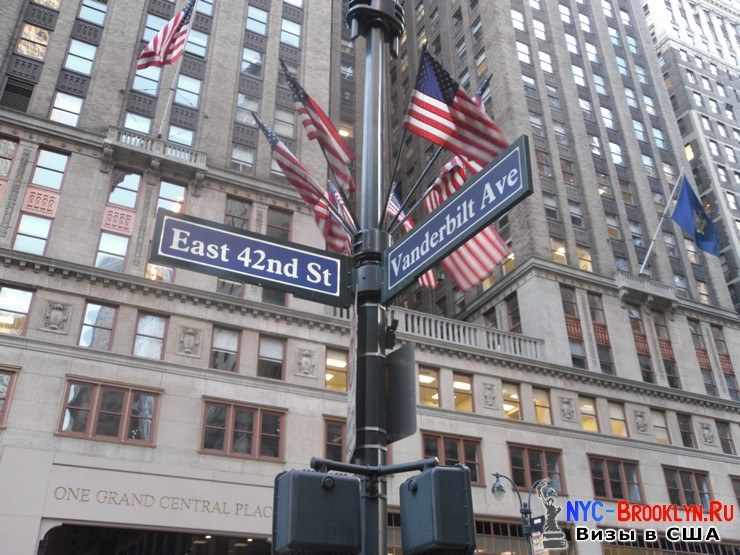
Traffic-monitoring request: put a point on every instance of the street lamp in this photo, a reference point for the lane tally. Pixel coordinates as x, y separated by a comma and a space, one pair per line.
525, 507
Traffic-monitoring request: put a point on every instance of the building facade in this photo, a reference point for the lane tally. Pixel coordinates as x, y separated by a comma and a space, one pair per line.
699, 45
147, 410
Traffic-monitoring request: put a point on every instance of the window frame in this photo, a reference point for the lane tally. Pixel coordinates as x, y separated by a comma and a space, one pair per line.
595, 414
18, 233
471, 394
13, 373
94, 411
166, 319
435, 388
284, 342
336, 370
543, 452
83, 324
231, 407
98, 251
622, 477
213, 349
695, 483
24, 329
341, 422
539, 406
460, 439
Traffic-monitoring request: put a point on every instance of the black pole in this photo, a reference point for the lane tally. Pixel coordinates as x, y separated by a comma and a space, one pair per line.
379, 23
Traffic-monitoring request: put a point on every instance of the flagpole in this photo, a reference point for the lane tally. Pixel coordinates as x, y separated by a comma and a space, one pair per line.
173, 83
660, 225
392, 187
413, 207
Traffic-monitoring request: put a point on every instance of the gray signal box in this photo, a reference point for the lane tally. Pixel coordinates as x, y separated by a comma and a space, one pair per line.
315, 512
437, 512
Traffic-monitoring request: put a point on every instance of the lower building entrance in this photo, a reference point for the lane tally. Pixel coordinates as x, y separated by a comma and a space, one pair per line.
92, 540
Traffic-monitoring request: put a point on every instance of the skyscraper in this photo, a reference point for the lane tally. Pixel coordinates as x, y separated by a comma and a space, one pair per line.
698, 50
146, 409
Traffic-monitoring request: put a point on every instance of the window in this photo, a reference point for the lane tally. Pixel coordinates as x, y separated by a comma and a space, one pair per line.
659, 138
600, 84
578, 75
539, 29
290, 33
723, 431
237, 213
188, 91
17, 94
713, 106
150, 334
617, 419
97, 326
585, 260
242, 431
639, 129
687, 432
180, 135
14, 307
631, 98
257, 20
197, 43
153, 25
171, 196
660, 427
687, 486
453, 450
147, 80
429, 387
32, 42
607, 117
545, 62
571, 43
622, 66
596, 146
636, 233
552, 211
511, 400
512, 312
334, 430
93, 11
33, 231
585, 22
587, 409
111, 252
80, 57
225, 349
542, 412
284, 123
557, 251
730, 153
530, 464
615, 479
522, 52
205, 7
649, 105
7, 381
616, 152
564, 13
271, 357
517, 20
50, 168
252, 61
110, 412
125, 190
462, 385
138, 123
335, 375
591, 53
625, 17
278, 223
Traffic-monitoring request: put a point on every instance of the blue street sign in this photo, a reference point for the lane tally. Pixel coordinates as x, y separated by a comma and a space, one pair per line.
492, 192
230, 253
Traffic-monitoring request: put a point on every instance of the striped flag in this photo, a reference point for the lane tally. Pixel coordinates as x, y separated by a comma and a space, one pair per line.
169, 43
337, 200
474, 260
319, 127
310, 191
428, 279
442, 113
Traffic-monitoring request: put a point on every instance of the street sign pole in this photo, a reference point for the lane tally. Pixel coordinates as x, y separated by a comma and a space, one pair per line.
380, 22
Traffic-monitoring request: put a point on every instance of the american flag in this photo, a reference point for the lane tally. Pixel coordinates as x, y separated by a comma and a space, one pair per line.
337, 200
169, 43
442, 113
319, 127
427, 279
310, 191
473, 261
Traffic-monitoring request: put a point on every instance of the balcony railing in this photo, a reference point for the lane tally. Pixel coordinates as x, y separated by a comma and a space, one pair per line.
463, 334
160, 148
641, 288
573, 327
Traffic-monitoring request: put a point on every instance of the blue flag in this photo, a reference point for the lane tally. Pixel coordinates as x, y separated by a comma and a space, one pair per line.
690, 215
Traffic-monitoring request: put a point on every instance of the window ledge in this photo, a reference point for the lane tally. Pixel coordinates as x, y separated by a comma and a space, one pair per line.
215, 453
104, 440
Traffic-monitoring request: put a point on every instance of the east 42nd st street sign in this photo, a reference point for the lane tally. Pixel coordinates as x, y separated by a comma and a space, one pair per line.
492, 192
232, 254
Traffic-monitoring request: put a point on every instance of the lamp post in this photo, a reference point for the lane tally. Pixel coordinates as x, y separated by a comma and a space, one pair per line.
525, 507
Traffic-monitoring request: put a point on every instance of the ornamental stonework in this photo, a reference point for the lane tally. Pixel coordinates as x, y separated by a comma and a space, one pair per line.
306, 363
188, 341
41, 202
56, 317
118, 220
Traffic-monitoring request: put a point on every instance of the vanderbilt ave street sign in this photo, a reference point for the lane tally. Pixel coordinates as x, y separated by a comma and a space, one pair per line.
492, 192
230, 253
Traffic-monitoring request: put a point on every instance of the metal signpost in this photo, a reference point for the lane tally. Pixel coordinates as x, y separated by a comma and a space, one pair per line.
383, 407
493, 191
